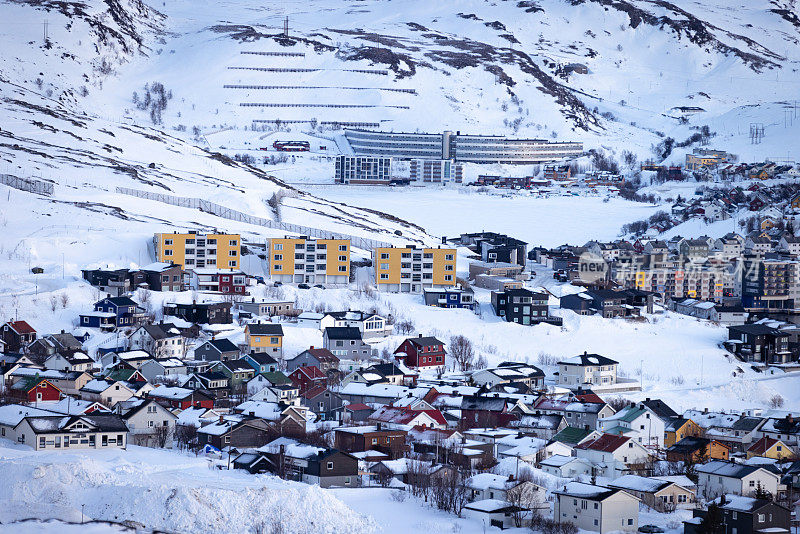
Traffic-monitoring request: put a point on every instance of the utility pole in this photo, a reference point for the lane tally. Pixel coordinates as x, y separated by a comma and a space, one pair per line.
44, 32
286, 27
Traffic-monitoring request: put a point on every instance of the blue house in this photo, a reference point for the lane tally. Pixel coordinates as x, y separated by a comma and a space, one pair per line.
112, 312
261, 362
450, 297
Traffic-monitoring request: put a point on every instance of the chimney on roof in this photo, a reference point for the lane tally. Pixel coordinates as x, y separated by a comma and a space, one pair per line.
194, 302
220, 419
420, 335
511, 478
647, 399
705, 410
378, 426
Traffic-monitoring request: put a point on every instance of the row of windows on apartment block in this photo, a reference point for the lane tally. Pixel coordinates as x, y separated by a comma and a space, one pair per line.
201, 254
309, 248
416, 277
201, 243
416, 256
309, 268
416, 267
309, 257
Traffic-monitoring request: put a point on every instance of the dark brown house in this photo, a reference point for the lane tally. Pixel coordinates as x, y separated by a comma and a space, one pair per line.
366, 438
158, 277
742, 515
17, 335
239, 434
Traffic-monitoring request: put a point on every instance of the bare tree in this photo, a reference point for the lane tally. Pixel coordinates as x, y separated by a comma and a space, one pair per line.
462, 352
64, 300
53, 303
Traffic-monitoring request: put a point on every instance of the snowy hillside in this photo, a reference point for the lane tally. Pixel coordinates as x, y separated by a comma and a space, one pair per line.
165, 491
479, 67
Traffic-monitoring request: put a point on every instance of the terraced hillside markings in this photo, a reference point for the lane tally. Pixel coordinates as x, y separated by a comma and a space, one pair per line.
294, 69
391, 89
349, 124
225, 212
281, 54
27, 184
271, 105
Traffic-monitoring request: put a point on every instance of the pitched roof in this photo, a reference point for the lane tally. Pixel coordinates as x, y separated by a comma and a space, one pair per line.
404, 416
638, 483
120, 301
223, 345
762, 446
586, 491
604, 443
661, 409
21, 327
689, 445
424, 341
342, 332
264, 329
588, 359
572, 435
727, 469
311, 372
321, 355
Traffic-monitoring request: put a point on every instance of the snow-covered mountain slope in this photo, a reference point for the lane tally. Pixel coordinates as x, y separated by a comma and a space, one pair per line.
479, 66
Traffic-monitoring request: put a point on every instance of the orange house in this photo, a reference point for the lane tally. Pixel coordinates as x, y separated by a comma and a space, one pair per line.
681, 428
697, 450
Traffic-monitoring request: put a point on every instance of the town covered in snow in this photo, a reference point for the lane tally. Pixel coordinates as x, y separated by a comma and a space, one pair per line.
357, 266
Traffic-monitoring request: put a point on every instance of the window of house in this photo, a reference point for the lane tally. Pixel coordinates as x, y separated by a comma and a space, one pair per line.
330, 466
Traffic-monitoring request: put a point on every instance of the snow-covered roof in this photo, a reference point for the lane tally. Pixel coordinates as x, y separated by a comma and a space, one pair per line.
637, 483
488, 505
12, 414
291, 447
484, 481
265, 410
558, 460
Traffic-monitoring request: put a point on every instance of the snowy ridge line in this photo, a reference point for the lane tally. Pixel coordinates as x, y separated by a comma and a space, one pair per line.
27, 184
219, 210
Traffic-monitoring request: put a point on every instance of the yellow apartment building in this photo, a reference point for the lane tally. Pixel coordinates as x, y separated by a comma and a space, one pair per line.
193, 250
411, 269
307, 260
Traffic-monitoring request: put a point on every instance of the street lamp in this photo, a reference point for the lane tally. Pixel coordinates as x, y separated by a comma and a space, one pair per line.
82, 507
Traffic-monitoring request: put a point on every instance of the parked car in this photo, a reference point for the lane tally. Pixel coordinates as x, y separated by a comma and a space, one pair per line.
319, 286
276, 284
651, 529
303, 286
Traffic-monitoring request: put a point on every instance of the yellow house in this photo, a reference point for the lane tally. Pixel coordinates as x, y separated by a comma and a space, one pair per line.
796, 201
770, 448
264, 338
192, 250
411, 269
680, 428
308, 260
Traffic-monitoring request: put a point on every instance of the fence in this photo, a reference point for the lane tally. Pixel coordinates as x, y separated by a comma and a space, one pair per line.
284, 54
27, 184
391, 89
297, 69
219, 210
336, 124
347, 106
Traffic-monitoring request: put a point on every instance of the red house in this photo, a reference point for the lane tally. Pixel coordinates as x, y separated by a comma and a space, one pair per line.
421, 352
308, 377
35, 389
174, 397
17, 335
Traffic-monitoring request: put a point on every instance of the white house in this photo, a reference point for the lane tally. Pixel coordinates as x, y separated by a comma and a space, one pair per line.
106, 391
160, 340
162, 367
506, 488
611, 455
637, 422
59, 432
494, 513
596, 508
566, 466
12, 414
719, 477
587, 369
77, 361
149, 424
